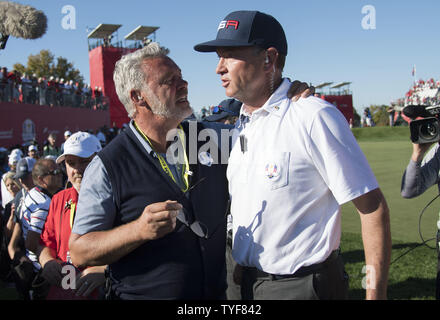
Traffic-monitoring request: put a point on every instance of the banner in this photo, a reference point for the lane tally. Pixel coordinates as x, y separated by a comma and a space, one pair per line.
343, 102
21, 123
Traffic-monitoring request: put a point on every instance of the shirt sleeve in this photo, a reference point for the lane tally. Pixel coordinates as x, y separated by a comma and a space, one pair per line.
47, 237
418, 177
38, 217
96, 209
338, 157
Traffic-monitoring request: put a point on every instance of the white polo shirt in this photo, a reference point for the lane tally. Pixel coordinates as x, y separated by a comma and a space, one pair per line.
301, 163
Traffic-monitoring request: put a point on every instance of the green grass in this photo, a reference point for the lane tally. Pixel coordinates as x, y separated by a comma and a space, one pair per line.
381, 134
388, 151
411, 276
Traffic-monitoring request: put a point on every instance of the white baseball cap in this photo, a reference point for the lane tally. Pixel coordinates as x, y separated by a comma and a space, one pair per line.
17, 151
32, 147
80, 144
67, 133
14, 158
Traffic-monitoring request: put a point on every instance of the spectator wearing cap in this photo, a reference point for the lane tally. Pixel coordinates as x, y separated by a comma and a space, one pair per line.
226, 112
67, 134
79, 150
24, 177
48, 180
292, 165
33, 152
50, 149
16, 247
13, 159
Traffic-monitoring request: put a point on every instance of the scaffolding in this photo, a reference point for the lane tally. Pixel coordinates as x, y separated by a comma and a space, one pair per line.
140, 36
105, 33
339, 89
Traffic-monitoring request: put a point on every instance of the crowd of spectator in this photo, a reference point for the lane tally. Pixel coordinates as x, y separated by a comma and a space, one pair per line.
51, 91
52, 147
11, 162
421, 92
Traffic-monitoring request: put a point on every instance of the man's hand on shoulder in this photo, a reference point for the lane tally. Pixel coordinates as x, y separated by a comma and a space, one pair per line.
299, 89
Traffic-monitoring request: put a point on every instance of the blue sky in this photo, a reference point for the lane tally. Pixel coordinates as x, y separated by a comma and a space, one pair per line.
326, 40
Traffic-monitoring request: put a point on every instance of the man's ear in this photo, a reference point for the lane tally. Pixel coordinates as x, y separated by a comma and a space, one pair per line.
271, 57
136, 97
41, 182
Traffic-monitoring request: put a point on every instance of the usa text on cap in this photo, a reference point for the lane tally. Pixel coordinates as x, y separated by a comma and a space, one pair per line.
247, 28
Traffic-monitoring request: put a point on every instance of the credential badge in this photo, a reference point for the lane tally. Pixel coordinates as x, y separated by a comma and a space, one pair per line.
205, 158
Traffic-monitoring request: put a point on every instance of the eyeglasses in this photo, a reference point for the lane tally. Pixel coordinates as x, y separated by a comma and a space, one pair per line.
198, 227
52, 173
218, 109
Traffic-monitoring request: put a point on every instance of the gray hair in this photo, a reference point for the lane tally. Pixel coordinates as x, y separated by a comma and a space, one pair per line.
128, 74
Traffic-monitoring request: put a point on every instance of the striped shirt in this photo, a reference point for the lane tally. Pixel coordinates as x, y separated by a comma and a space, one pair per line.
35, 208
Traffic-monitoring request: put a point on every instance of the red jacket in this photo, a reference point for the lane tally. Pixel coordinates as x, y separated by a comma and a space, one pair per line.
57, 229
56, 233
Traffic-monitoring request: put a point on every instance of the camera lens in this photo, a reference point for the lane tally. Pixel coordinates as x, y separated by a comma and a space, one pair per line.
428, 131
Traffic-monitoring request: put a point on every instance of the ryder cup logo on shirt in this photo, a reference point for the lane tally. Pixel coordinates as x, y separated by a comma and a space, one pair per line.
271, 170
205, 158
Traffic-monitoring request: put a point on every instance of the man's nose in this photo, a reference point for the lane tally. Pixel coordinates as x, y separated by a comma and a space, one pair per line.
221, 69
183, 84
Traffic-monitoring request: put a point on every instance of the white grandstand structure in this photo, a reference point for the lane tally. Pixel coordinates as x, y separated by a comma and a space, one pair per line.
421, 93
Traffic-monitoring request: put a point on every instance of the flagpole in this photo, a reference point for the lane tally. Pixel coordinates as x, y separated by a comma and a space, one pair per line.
414, 74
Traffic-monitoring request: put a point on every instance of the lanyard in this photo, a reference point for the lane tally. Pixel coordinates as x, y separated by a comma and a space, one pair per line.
72, 214
164, 164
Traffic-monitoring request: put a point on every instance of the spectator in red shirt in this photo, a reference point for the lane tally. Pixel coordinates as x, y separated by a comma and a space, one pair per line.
51, 91
79, 150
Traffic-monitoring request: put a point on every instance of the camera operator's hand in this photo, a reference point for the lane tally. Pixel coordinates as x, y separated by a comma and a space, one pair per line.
419, 151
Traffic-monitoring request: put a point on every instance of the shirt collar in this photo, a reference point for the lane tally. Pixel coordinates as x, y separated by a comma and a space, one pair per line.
144, 143
140, 138
274, 104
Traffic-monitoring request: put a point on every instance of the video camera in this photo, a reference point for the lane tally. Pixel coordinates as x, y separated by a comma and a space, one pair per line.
425, 130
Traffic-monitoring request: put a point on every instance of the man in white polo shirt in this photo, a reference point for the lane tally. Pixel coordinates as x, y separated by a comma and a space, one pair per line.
291, 167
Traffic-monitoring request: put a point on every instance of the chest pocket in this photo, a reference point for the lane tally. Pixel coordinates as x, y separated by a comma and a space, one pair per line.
275, 170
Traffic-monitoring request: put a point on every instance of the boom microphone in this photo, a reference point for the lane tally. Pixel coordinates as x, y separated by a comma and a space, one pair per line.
20, 21
415, 111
